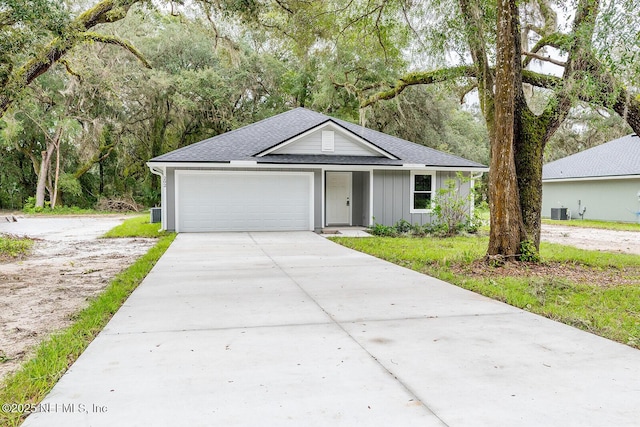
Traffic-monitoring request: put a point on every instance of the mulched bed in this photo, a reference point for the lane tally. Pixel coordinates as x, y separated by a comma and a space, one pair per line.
572, 273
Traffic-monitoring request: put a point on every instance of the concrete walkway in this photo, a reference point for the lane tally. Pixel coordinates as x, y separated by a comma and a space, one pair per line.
273, 329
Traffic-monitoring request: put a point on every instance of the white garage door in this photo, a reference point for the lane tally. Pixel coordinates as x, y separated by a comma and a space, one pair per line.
244, 201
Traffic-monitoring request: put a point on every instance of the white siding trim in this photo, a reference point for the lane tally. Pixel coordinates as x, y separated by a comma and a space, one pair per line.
329, 125
371, 197
472, 197
592, 178
162, 173
322, 197
243, 163
412, 183
292, 166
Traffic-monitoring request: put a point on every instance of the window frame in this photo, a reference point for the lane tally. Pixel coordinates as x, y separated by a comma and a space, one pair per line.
413, 191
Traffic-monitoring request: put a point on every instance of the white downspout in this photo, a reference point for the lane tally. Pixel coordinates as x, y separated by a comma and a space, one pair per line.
472, 184
163, 194
371, 198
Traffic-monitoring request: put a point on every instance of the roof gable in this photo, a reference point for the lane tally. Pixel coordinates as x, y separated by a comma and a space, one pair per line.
330, 139
619, 157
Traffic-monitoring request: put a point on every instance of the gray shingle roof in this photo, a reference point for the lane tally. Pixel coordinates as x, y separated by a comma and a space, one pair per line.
244, 143
615, 158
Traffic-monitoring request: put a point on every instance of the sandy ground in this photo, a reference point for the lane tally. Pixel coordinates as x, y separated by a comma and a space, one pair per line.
69, 265
592, 238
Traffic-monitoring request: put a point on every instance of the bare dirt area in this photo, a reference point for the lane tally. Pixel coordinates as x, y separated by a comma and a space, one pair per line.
593, 238
69, 264
553, 273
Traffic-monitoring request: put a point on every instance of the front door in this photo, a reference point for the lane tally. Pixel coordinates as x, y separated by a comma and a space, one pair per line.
338, 198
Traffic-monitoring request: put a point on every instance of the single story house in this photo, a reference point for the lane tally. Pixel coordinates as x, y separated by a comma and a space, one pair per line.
302, 170
601, 183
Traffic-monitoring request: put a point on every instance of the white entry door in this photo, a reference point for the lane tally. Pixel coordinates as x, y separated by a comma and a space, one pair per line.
338, 198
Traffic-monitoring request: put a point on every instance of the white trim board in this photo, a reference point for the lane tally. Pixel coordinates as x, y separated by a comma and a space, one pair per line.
434, 189
592, 178
329, 125
320, 166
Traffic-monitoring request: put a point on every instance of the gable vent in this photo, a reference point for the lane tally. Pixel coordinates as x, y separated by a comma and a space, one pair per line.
328, 143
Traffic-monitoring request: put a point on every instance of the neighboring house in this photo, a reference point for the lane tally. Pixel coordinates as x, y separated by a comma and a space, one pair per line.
302, 170
604, 180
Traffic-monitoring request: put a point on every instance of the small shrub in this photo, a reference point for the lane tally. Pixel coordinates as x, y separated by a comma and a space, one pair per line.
418, 230
403, 226
30, 206
383, 230
474, 223
452, 209
528, 252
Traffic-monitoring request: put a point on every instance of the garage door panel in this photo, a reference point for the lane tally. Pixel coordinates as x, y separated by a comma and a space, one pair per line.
228, 201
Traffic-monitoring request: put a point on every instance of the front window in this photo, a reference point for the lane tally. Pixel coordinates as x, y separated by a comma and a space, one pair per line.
422, 192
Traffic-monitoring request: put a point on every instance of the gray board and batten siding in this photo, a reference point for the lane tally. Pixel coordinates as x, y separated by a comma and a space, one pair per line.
391, 195
605, 200
604, 179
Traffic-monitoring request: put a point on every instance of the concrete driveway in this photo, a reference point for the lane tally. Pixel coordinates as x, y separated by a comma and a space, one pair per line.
291, 329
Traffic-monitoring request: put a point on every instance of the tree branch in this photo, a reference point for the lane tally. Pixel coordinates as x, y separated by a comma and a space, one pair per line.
579, 52
70, 70
559, 41
285, 7
466, 90
103, 38
466, 71
103, 152
472, 15
422, 78
104, 12
544, 58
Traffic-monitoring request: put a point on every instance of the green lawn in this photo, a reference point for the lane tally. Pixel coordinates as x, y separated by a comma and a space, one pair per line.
595, 291
138, 226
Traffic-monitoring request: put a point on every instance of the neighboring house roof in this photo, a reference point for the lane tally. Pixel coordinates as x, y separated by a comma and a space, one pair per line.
619, 157
246, 143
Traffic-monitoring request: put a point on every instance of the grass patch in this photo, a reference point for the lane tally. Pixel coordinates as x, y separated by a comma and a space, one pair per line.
138, 226
53, 357
594, 291
64, 210
590, 223
14, 247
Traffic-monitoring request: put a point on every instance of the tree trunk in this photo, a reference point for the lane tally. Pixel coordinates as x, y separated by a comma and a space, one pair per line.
101, 169
530, 140
507, 229
43, 174
54, 195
